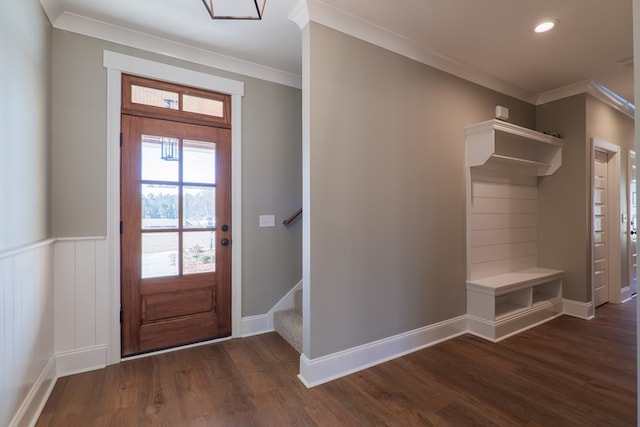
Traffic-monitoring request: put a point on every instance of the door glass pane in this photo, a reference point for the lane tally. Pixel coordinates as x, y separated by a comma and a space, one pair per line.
159, 254
199, 208
199, 162
197, 104
199, 252
159, 206
154, 97
154, 167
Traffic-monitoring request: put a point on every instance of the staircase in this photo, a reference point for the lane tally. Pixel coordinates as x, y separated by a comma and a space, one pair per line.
288, 323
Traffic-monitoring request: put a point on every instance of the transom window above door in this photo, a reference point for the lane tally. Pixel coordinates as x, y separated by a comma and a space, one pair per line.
152, 98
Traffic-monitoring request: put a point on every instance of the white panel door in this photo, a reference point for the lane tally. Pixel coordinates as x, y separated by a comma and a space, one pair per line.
633, 225
600, 238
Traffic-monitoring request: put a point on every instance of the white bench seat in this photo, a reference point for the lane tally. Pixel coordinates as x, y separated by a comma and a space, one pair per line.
505, 304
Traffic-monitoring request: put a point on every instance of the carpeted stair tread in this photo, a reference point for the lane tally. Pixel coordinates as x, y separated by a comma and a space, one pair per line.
288, 323
297, 296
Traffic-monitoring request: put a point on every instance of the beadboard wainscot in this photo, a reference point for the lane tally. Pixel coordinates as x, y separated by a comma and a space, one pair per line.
507, 291
27, 359
81, 277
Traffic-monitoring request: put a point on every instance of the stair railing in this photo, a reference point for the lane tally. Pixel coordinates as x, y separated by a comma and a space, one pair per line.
293, 216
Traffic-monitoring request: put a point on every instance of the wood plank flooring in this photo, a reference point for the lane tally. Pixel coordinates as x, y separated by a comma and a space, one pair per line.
567, 372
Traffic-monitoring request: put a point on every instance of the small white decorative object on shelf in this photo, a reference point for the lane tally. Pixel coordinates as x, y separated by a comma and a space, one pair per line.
502, 113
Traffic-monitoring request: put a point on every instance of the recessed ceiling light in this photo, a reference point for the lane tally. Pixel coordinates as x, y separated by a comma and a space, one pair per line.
543, 27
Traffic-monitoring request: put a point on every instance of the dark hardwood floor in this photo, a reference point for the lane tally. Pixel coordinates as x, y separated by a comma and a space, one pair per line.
567, 372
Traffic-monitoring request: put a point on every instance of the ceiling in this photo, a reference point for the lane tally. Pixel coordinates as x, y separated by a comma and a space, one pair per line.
490, 38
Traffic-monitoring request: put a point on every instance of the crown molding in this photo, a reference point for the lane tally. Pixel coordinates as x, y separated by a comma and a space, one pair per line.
125, 36
300, 14
612, 99
339, 20
563, 92
594, 89
359, 28
322, 13
53, 9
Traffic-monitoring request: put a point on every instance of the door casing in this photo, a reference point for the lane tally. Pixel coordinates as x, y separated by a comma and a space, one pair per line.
631, 213
613, 218
116, 64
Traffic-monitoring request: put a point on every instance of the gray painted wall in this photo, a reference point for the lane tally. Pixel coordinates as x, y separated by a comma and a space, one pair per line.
271, 162
564, 198
26, 291
387, 190
25, 55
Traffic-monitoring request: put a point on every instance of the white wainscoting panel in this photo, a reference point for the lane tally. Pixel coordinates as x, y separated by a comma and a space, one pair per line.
26, 333
81, 304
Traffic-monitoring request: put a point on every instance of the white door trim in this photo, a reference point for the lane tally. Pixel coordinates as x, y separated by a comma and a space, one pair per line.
613, 215
629, 290
116, 64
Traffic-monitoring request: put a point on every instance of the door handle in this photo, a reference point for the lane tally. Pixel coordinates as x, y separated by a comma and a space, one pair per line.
632, 232
224, 242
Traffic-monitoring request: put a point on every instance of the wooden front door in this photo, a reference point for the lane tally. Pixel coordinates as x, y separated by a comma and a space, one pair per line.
176, 233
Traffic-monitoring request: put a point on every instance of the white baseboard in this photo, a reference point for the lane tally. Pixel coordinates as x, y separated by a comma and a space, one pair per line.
81, 360
30, 409
625, 295
317, 371
256, 325
582, 310
263, 323
526, 319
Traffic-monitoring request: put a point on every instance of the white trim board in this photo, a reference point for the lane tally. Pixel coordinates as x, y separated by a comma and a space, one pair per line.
333, 18
116, 64
354, 26
80, 360
263, 323
320, 370
594, 89
137, 39
11, 252
581, 310
339, 20
29, 411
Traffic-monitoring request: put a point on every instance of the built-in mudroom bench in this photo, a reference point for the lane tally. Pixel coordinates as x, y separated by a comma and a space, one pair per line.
507, 291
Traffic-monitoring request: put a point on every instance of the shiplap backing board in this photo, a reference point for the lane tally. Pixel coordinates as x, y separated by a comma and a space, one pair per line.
504, 223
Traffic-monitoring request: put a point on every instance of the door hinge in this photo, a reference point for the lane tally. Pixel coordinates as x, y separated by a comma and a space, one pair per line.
121, 139
121, 316
121, 227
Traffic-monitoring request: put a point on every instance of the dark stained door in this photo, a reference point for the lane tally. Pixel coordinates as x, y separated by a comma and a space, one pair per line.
176, 233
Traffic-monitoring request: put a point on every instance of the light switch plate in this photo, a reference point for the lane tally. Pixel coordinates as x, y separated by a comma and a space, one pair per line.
267, 221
